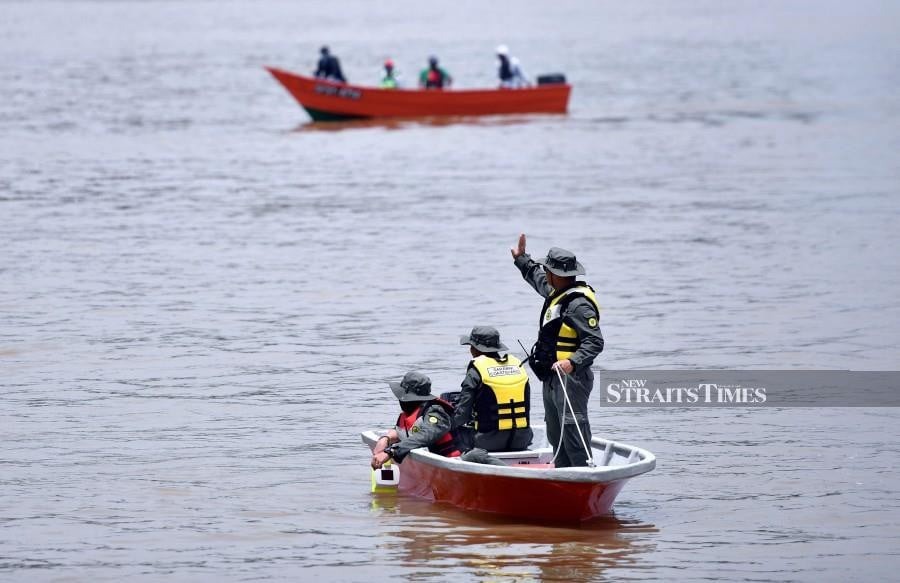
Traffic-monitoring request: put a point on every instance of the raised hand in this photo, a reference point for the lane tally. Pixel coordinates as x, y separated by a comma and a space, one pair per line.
520, 248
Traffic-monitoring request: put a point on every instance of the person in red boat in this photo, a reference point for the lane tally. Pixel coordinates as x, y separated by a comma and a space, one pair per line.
569, 340
495, 397
426, 421
434, 77
389, 81
510, 71
329, 66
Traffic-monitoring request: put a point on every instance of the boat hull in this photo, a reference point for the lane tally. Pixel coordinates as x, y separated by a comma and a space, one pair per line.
527, 487
329, 101
543, 500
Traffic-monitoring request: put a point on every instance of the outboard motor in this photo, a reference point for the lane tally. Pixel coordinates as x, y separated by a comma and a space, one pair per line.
551, 79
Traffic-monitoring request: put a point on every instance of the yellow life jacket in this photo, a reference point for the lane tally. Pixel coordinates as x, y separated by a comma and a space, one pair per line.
503, 404
556, 339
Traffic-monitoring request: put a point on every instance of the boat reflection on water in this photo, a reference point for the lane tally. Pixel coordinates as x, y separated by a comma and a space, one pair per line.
436, 121
426, 534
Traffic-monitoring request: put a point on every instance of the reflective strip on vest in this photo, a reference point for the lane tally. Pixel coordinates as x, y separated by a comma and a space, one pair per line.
567, 339
506, 380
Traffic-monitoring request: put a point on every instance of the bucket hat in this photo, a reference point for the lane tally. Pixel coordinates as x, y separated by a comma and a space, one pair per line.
414, 387
561, 262
485, 339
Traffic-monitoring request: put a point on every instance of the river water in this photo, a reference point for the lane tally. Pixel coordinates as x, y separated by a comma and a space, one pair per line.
203, 296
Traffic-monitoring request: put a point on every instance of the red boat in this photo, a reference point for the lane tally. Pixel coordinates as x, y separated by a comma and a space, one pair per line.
529, 486
326, 100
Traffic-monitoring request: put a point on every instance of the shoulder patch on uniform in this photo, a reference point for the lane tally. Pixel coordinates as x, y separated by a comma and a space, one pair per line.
592, 322
432, 420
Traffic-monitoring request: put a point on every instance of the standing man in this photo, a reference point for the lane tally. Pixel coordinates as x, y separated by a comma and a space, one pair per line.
495, 394
568, 341
510, 71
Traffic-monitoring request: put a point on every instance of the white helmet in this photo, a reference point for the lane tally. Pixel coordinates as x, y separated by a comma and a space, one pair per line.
503, 50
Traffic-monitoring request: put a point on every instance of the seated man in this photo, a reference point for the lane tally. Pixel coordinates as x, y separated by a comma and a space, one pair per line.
434, 77
389, 81
424, 422
329, 67
495, 394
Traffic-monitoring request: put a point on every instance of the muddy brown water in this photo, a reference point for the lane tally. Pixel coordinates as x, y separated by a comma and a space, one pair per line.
202, 297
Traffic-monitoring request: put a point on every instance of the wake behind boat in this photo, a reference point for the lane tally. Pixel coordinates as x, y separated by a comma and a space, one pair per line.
529, 486
326, 100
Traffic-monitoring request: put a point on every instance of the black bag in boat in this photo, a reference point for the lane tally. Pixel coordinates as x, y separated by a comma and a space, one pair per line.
551, 79
452, 397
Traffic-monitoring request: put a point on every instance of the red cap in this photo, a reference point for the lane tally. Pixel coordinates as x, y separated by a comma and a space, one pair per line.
389, 64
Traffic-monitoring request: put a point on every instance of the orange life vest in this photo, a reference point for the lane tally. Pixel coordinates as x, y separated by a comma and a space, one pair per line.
446, 444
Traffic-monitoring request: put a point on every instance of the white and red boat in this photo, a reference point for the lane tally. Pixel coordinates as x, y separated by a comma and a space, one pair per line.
529, 486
